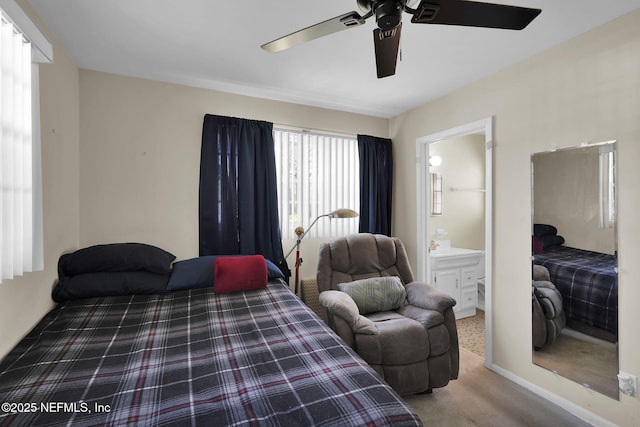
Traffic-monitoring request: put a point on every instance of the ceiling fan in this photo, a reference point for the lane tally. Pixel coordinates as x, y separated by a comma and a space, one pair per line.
388, 13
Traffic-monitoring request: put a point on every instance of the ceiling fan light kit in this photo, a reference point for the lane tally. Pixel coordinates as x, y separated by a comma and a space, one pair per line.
388, 15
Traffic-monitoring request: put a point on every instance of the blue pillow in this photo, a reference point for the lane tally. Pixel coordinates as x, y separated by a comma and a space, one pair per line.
192, 273
273, 271
198, 273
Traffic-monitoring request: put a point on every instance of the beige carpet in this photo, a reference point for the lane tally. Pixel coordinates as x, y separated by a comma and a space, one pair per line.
471, 333
480, 397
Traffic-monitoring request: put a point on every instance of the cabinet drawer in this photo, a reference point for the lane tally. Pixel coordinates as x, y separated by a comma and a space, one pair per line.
468, 277
469, 298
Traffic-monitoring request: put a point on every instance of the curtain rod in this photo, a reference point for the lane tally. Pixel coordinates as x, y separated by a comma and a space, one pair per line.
283, 126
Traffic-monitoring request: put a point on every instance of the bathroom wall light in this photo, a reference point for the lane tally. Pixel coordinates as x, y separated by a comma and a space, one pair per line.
435, 161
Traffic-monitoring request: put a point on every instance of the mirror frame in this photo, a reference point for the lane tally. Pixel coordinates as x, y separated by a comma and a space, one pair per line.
556, 365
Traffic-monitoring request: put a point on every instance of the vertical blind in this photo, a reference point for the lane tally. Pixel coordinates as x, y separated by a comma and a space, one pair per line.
436, 194
607, 190
317, 174
17, 252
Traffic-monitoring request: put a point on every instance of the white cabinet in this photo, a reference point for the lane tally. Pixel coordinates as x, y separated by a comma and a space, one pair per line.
448, 281
455, 272
468, 292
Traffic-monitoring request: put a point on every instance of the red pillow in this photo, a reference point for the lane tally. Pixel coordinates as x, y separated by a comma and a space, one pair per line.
537, 245
239, 273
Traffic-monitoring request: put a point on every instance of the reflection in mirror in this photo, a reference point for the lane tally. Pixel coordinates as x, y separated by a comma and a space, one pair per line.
574, 290
436, 194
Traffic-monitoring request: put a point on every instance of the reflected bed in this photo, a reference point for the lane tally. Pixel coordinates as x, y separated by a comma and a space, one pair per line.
588, 283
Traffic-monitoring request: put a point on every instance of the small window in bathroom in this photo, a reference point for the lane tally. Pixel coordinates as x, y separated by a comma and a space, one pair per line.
436, 194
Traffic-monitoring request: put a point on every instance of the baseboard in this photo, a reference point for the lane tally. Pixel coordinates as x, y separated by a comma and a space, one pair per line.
569, 406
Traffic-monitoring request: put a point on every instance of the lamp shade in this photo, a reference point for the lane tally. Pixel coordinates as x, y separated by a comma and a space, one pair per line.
343, 213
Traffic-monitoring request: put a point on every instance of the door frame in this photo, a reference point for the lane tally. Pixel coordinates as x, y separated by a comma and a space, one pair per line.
423, 186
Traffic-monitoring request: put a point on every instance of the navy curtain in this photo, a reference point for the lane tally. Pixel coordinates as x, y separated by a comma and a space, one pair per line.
238, 190
376, 178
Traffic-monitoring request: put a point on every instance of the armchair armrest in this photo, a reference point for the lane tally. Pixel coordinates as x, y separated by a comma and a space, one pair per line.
540, 272
341, 305
549, 297
542, 284
425, 296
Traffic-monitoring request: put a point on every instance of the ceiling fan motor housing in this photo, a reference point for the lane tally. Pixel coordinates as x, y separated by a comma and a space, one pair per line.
388, 12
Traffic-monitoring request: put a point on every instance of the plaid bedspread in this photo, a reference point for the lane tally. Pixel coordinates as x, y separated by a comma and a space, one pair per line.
192, 357
588, 284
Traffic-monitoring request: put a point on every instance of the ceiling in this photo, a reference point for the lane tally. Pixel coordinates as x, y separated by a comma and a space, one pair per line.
216, 45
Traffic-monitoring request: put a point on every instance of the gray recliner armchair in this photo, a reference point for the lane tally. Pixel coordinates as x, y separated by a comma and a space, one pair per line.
548, 315
412, 342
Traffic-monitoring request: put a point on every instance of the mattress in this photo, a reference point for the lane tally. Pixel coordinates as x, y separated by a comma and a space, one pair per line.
192, 357
588, 283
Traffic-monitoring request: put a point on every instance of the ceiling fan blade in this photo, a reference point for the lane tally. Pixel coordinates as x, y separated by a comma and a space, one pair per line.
330, 26
473, 14
386, 45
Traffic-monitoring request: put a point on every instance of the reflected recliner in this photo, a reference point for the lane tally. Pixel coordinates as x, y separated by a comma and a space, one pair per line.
414, 347
548, 315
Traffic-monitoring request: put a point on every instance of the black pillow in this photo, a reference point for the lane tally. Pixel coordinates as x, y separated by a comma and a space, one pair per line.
116, 257
551, 241
101, 284
540, 230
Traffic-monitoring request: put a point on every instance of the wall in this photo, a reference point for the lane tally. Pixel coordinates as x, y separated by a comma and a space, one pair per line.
24, 300
583, 90
462, 167
140, 157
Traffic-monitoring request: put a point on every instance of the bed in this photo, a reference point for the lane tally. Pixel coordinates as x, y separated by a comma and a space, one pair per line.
192, 356
588, 283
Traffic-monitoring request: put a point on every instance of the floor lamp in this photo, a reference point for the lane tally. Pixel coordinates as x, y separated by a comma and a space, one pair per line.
301, 232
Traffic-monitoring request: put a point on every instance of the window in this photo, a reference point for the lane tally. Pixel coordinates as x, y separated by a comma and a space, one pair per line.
317, 174
20, 190
607, 186
436, 194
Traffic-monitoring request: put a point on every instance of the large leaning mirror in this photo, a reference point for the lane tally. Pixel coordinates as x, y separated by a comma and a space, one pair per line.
574, 289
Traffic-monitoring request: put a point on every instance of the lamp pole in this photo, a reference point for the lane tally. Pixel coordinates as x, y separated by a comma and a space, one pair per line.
301, 232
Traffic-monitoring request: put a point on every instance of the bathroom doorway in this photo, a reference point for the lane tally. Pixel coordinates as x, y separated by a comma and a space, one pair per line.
456, 193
